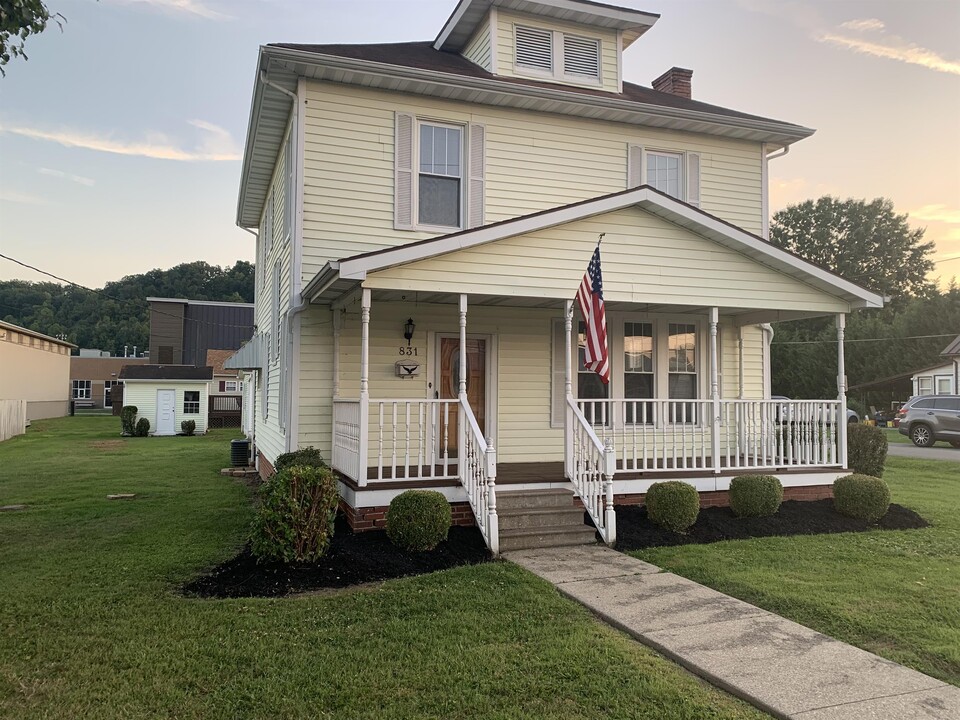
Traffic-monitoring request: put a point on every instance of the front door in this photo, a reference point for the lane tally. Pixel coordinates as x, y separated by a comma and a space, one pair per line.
448, 384
166, 412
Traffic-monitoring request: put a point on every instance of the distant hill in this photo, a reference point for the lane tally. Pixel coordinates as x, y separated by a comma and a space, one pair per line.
117, 314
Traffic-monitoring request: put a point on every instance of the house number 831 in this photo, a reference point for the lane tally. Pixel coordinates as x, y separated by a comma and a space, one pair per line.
409, 351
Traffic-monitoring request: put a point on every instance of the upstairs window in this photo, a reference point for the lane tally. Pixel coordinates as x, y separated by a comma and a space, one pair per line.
440, 175
557, 55
664, 173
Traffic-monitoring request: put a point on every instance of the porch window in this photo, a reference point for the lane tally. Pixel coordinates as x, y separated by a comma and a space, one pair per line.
638, 370
663, 172
440, 175
944, 384
81, 390
925, 385
682, 370
191, 402
589, 385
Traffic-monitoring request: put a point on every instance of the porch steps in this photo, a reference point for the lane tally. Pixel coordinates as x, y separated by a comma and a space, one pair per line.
541, 518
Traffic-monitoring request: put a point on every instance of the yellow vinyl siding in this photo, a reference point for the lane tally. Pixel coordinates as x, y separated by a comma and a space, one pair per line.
505, 47
534, 162
316, 378
478, 47
645, 260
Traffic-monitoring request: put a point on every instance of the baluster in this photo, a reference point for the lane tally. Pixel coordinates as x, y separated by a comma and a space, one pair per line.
446, 438
643, 430
380, 441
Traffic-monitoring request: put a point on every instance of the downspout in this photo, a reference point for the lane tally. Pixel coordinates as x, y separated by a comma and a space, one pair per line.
296, 262
765, 186
252, 430
767, 330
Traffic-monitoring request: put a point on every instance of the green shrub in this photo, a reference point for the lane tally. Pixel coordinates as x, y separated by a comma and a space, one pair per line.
188, 427
294, 523
866, 449
418, 520
673, 505
755, 495
143, 428
861, 496
128, 418
308, 456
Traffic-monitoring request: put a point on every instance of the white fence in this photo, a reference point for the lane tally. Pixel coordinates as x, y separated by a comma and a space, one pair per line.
13, 418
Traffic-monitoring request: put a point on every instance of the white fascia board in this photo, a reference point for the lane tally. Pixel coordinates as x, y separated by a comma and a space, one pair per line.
645, 198
328, 275
453, 21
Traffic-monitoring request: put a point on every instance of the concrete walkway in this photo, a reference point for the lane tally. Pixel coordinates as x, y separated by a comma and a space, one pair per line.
779, 666
937, 452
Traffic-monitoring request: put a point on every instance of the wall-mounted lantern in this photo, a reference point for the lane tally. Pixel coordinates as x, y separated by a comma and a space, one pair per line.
408, 329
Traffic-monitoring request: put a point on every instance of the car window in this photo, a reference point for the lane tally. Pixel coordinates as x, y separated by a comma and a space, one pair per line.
923, 405
947, 404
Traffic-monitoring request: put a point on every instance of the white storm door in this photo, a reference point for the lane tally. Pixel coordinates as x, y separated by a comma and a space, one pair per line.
166, 412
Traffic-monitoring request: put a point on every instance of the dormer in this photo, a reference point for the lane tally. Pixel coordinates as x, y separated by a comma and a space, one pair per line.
567, 42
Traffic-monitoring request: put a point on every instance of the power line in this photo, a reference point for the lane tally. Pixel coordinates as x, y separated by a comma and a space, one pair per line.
121, 300
861, 340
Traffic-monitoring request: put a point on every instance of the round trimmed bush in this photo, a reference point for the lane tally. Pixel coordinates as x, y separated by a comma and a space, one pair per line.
418, 520
861, 496
866, 449
143, 427
189, 427
673, 505
308, 456
755, 495
294, 522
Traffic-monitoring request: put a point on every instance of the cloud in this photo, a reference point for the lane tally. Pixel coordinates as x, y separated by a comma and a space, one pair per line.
20, 198
189, 7
215, 146
937, 213
893, 48
863, 25
89, 182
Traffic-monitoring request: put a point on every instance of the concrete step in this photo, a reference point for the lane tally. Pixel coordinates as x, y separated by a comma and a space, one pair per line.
550, 536
510, 499
517, 518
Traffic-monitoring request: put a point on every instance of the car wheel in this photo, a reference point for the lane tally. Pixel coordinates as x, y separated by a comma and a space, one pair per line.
921, 435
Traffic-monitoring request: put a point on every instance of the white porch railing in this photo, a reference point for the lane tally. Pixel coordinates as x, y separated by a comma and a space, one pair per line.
591, 467
349, 454
413, 439
478, 475
654, 435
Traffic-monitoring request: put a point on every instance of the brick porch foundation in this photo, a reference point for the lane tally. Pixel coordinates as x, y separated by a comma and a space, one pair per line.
375, 518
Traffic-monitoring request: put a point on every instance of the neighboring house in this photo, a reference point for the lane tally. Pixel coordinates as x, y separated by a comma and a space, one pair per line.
226, 392
167, 395
182, 331
940, 379
93, 377
425, 213
36, 368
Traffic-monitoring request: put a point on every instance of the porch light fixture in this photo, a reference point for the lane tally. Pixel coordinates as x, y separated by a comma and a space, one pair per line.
408, 329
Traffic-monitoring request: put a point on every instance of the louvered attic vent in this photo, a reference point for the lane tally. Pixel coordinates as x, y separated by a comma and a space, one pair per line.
581, 56
534, 49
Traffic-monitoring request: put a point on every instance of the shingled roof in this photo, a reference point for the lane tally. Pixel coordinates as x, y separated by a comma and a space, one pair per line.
953, 349
423, 56
165, 372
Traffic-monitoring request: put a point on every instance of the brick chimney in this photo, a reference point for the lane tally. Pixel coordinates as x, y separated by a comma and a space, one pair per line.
675, 81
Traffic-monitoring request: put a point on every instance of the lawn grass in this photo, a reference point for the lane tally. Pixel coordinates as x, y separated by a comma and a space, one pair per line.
91, 624
895, 593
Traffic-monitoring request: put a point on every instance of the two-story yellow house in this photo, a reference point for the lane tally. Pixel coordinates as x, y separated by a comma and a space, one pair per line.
424, 215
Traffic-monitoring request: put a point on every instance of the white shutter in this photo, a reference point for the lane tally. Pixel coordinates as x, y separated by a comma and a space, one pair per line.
289, 191
534, 48
477, 187
558, 374
634, 166
693, 179
581, 56
403, 172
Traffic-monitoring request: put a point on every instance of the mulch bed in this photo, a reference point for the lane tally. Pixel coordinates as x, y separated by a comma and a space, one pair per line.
795, 517
352, 559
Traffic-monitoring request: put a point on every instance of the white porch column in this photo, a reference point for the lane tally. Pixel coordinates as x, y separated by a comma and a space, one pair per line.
337, 322
714, 392
463, 348
364, 386
740, 361
841, 390
462, 395
568, 389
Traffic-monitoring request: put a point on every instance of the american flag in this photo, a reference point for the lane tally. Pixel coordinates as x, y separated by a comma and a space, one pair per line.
590, 297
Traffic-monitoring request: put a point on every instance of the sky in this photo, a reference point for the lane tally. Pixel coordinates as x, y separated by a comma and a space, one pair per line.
121, 137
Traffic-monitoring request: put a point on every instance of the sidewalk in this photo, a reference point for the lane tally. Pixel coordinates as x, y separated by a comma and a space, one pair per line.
779, 666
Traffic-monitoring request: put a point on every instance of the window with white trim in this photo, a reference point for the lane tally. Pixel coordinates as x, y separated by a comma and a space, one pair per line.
638, 375
925, 385
682, 370
81, 389
944, 385
191, 402
440, 175
230, 386
555, 54
665, 173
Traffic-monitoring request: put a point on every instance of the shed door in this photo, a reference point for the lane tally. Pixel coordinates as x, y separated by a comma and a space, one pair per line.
166, 412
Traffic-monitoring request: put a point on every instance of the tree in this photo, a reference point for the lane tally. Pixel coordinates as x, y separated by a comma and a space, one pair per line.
18, 20
864, 242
